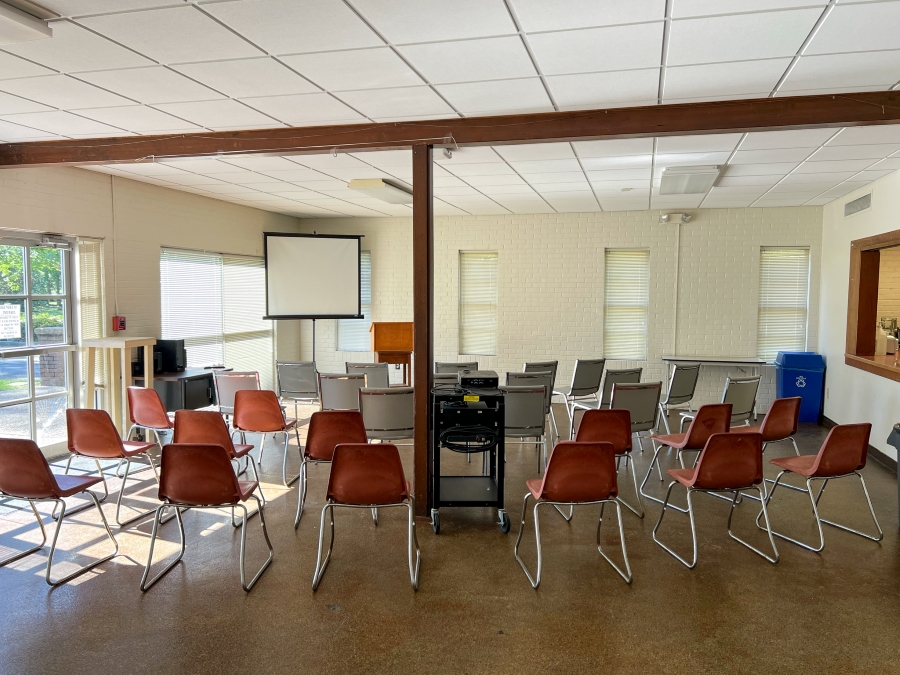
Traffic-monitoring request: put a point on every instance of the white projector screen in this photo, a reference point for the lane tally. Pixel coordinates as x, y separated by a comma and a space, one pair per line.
312, 276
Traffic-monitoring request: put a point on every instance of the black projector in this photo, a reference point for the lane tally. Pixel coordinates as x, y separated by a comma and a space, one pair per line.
479, 379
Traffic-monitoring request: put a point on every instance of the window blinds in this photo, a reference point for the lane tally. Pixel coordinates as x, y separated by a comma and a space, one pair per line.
478, 300
626, 304
783, 300
91, 309
353, 334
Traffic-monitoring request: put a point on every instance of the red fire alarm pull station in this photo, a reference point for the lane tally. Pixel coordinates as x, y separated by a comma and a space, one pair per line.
118, 323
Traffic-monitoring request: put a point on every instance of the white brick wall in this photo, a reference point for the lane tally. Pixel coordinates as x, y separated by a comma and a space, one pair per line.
551, 284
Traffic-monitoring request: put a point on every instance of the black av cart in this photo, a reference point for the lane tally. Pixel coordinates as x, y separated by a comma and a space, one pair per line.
468, 421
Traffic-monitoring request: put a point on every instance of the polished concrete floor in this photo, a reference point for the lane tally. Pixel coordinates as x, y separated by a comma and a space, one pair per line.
838, 611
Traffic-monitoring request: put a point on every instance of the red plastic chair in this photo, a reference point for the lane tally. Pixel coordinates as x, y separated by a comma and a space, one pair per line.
729, 463
327, 430
92, 434
26, 475
196, 476
612, 426
714, 418
259, 412
368, 476
779, 424
146, 411
577, 474
843, 454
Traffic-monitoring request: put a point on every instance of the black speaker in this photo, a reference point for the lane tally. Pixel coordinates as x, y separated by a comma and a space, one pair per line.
174, 358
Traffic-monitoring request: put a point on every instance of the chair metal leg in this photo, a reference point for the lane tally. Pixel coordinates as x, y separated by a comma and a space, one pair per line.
413, 541
18, 556
322, 564
665, 418
142, 514
775, 557
568, 518
535, 581
643, 494
639, 511
86, 568
262, 522
145, 585
690, 511
262, 445
626, 575
84, 507
284, 479
871, 511
301, 491
553, 419
796, 449
375, 517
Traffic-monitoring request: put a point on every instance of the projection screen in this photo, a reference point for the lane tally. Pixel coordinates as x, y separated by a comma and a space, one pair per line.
312, 276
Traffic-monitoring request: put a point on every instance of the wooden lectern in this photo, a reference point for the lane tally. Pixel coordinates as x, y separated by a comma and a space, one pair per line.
392, 342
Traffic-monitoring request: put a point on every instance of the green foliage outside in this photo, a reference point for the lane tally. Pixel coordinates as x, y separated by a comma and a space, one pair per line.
46, 279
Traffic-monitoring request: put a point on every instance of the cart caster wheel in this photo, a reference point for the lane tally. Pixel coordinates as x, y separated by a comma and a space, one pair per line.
436, 522
504, 522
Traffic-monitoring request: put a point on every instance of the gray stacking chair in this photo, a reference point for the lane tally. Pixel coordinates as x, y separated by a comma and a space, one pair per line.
535, 379
447, 367
740, 392
641, 400
340, 391
446, 378
525, 416
543, 367
586, 380
681, 390
387, 413
613, 377
297, 382
376, 373
228, 382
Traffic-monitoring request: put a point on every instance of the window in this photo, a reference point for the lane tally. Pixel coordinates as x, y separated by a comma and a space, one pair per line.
91, 309
216, 302
478, 300
353, 334
626, 305
783, 300
34, 317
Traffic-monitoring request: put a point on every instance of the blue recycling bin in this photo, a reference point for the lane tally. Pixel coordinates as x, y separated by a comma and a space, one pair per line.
801, 374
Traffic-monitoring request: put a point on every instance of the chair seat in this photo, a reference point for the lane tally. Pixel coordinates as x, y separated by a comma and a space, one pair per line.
132, 448
534, 485
756, 430
683, 476
369, 497
289, 423
246, 488
241, 449
72, 485
672, 440
802, 465
587, 405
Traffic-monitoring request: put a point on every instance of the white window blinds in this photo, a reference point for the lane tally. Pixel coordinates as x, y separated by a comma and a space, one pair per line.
216, 303
353, 334
783, 300
91, 309
626, 304
478, 300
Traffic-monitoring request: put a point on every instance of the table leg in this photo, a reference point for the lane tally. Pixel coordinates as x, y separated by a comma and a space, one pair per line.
148, 366
113, 389
126, 382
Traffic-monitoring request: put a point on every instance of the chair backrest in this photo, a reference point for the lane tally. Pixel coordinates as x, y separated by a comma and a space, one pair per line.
363, 473
844, 451
606, 426
740, 392
587, 376
24, 471
92, 433
524, 410
387, 413
339, 391
781, 420
204, 427
543, 367
228, 383
447, 367
613, 377
712, 418
641, 400
544, 378
446, 377
377, 376
730, 461
297, 379
329, 428
146, 409
683, 384
580, 472
257, 411
197, 474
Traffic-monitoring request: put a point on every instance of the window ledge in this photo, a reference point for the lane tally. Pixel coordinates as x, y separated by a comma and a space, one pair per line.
15, 352
886, 366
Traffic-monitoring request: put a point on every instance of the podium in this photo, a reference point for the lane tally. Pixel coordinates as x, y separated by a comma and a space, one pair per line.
392, 342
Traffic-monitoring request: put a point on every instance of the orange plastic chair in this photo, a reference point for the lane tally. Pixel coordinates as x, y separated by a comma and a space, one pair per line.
259, 412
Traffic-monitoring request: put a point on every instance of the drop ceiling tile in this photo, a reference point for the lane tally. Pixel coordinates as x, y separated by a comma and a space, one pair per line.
813, 189
363, 172
617, 163
540, 15
192, 179
328, 162
471, 60
526, 206
872, 174
151, 169
480, 169
730, 203
598, 90
63, 123
776, 140
748, 181
642, 173
470, 155
508, 189
872, 152
664, 159
723, 79
837, 165
842, 189
225, 188
73, 49
503, 96
858, 27
546, 166
242, 78
62, 91
886, 133
615, 148
770, 156
537, 152
216, 114
377, 68
780, 202
387, 158
843, 72
319, 185
625, 204
620, 185
305, 109
889, 164
552, 188
11, 133
450, 181
585, 205
486, 181
13, 67
401, 101
626, 193
750, 191
584, 192
767, 169
689, 8
72, 8
136, 118
700, 143
155, 84
558, 177
598, 49
261, 164
275, 186
10, 105
404, 21
457, 192
833, 177
172, 35
740, 37
201, 166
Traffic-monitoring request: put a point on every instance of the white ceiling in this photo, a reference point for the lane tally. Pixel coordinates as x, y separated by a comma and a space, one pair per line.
119, 67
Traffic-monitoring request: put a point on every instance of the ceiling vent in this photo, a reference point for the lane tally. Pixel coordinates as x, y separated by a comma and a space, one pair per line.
860, 204
688, 180
385, 189
17, 26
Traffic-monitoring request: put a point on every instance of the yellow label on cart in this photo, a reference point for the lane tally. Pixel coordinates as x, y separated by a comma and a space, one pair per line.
471, 399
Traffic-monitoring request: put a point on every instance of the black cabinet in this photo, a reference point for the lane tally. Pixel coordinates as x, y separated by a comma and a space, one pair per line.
188, 390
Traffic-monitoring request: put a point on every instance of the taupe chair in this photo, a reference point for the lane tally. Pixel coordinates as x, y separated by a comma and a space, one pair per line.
543, 367
447, 367
377, 376
446, 378
535, 379
740, 392
641, 400
340, 391
525, 417
388, 413
682, 387
613, 377
229, 382
297, 382
586, 380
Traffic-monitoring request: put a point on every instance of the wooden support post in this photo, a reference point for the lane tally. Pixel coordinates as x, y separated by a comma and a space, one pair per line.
423, 319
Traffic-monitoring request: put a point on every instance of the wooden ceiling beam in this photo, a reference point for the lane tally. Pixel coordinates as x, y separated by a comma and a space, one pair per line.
788, 112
